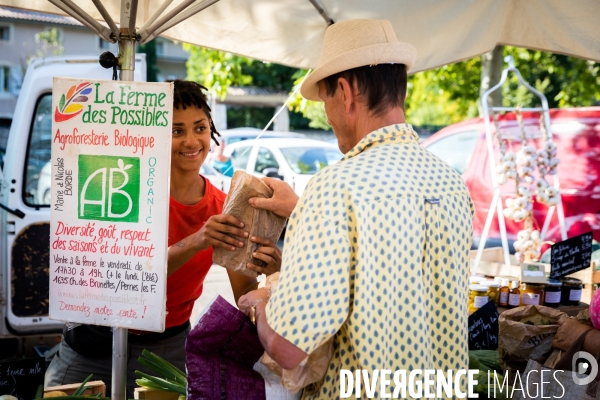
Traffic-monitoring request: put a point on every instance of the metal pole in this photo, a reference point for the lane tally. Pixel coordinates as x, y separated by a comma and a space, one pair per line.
119, 364
126, 68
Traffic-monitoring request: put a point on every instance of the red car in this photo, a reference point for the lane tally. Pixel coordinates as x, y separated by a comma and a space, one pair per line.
575, 131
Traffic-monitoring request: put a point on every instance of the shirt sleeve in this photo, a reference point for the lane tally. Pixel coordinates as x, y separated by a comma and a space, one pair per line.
311, 301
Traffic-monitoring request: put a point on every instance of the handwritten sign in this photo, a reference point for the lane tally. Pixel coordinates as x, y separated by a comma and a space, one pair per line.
111, 145
571, 255
22, 378
483, 328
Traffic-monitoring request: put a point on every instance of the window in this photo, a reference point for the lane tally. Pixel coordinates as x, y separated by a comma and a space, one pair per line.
36, 186
456, 150
5, 32
104, 45
265, 159
4, 78
240, 157
160, 47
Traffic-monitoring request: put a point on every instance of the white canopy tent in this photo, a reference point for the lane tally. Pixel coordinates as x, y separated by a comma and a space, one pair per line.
291, 32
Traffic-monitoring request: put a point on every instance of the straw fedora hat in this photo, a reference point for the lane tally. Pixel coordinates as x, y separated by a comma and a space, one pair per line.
356, 43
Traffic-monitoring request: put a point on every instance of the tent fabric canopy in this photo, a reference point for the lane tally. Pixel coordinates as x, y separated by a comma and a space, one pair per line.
291, 32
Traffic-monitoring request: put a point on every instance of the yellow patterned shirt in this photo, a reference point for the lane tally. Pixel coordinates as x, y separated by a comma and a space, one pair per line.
376, 255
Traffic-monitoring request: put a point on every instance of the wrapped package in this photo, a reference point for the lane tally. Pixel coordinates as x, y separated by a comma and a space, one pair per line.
262, 223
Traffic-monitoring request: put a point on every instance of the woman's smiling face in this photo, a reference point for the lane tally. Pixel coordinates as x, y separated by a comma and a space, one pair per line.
190, 139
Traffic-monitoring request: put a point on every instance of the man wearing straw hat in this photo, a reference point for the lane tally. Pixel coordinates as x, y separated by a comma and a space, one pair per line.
376, 250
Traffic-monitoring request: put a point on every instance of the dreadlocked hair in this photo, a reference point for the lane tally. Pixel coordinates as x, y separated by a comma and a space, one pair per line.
188, 94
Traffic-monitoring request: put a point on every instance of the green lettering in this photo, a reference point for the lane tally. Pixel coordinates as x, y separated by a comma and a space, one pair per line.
152, 99
97, 100
161, 97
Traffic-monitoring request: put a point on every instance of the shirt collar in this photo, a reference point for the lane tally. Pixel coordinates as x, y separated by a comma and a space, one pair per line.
397, 133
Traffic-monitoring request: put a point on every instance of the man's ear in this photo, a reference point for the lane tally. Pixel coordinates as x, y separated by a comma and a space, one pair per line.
348, 95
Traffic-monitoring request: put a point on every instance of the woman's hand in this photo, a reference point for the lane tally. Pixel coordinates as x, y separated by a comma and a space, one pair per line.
221, 231
246, 301
267, 252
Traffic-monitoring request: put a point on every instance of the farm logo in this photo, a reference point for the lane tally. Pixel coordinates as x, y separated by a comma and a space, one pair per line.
109, 188
70, 105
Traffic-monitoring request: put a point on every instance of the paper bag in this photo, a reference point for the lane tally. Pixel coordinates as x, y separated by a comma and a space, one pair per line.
310, 370
257, 222
526, 333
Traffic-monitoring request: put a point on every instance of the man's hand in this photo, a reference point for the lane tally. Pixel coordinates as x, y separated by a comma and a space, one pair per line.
283, 201
269, 253
220, 231
246, 301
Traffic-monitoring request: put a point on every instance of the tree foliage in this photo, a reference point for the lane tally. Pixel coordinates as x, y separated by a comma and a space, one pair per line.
441, 96
451, 93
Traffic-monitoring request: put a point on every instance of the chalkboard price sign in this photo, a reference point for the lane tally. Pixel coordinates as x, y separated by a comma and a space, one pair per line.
571, 255
483, 328
22, 378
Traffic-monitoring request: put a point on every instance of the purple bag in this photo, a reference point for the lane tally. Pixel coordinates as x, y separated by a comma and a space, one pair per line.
220, 353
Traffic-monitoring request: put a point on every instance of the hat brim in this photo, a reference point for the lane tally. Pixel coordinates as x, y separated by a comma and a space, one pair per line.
381, 53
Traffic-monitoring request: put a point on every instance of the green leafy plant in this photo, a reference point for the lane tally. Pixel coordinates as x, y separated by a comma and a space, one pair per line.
170, 379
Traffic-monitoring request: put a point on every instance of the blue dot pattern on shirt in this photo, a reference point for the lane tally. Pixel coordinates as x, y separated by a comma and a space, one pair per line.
371, 262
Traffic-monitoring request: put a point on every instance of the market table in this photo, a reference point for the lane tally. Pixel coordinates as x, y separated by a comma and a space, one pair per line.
571, 311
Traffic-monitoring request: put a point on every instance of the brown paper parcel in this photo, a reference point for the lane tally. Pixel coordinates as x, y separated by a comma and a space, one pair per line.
257, 222
312, 370
519, 341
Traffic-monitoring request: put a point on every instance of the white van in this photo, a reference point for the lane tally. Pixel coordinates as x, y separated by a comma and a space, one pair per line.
25, 220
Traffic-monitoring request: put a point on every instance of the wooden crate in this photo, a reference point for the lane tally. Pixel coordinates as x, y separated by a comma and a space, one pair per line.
492, 263
151, 394
95, 388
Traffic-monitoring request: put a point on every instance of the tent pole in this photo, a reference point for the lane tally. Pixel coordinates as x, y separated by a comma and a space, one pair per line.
126, 65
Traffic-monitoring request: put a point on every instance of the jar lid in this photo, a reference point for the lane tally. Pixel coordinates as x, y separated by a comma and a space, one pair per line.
553, 282
571, 282
493, 284
504, 282
478, 288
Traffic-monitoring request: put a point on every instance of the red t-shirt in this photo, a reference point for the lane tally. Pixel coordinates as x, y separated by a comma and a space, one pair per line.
185, 285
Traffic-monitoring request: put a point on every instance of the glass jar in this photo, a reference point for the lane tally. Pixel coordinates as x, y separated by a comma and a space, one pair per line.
478, 297
552, 293
504, 291
476, 280
532, 294
571, 291
514, 295
494, 292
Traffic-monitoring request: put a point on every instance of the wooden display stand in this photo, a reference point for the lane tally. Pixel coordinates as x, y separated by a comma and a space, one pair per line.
95, 387
492, 264
151, 394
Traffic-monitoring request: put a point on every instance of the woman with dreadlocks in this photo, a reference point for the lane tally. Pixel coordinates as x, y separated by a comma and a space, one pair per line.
196, 225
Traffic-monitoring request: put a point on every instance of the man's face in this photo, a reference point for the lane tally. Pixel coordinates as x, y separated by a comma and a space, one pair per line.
336, 116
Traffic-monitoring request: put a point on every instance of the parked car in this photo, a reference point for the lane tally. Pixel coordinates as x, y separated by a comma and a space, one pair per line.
575, 131
219, 180
235, 135
293, 160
